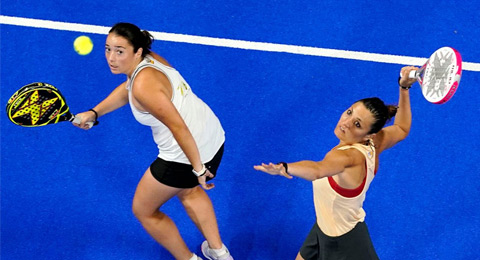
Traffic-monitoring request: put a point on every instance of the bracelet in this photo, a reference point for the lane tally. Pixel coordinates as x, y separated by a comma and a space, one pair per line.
285, 165
406, 88
201, 172
96, 116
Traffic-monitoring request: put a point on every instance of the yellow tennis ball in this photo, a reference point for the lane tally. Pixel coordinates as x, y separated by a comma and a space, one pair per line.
83, 45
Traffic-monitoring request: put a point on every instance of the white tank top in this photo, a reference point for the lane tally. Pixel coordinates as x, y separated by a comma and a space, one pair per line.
338, 209
199, 118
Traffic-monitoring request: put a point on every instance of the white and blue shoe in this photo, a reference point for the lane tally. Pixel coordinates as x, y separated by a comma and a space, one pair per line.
217, 254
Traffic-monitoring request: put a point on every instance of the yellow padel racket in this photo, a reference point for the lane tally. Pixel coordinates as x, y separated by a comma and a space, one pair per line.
39, 104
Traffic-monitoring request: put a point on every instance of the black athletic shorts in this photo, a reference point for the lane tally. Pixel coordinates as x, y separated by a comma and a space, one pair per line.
354, 245
180, 175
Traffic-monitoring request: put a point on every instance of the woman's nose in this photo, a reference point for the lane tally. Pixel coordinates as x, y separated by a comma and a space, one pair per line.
347, 123
110, 56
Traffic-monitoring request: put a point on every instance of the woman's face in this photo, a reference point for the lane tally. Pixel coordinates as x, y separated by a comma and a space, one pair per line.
120, 56
354, 124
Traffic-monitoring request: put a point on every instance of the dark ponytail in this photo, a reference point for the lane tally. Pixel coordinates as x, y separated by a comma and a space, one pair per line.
136, 37
382, 113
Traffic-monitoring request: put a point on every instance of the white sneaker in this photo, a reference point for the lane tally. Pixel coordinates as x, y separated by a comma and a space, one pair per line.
212, 255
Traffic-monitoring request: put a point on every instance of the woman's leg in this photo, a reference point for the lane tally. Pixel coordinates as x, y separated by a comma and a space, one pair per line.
200, 209
149, 197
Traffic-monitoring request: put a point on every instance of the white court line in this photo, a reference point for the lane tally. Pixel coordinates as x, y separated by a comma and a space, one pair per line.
239, 44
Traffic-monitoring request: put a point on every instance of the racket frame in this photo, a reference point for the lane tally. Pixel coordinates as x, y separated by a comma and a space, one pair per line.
18, 98
452, 80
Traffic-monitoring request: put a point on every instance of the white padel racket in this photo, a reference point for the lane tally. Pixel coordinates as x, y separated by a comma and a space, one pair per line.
440, 76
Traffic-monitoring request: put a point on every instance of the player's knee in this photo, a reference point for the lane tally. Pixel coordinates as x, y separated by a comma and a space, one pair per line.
139, 211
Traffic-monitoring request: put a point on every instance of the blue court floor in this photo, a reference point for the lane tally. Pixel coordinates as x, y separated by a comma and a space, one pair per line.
66, 193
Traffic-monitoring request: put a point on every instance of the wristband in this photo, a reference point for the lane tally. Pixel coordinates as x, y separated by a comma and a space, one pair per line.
285, 165
96, 116
406, 88
201, 172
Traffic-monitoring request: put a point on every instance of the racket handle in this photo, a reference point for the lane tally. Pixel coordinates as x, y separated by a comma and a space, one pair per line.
412, 74
78, 120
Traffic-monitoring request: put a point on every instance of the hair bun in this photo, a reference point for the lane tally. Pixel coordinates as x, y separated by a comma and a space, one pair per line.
391, 111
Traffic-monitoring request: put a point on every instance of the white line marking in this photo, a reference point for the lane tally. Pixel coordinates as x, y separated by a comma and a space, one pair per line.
239, 44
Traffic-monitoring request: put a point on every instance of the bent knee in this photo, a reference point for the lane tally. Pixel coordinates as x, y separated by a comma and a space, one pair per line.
141, 211
137, 211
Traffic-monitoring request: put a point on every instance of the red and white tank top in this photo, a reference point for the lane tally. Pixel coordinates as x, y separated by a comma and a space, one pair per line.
338, 209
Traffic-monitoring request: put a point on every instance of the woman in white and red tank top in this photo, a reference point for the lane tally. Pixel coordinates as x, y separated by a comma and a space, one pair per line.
342, 178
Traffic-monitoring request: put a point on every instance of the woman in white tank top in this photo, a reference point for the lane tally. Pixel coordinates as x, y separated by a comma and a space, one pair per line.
341, 179
189, 152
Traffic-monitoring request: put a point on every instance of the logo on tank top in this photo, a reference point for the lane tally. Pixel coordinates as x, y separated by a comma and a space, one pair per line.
369, 154
183, 88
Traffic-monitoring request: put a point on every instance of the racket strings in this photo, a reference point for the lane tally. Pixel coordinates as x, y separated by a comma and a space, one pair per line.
38, 104
439, 74
38, 108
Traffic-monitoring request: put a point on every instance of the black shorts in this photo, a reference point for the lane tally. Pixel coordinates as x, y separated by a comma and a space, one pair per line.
355, 244
180, 175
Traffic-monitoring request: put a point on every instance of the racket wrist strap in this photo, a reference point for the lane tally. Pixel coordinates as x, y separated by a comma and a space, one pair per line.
96, 115
403, 87
285, 165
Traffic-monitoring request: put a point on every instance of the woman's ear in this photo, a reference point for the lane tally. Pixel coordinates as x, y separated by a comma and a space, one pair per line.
139, 52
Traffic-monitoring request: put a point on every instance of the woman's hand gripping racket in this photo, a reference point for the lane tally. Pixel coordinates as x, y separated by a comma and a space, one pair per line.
440, 76
39, 104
